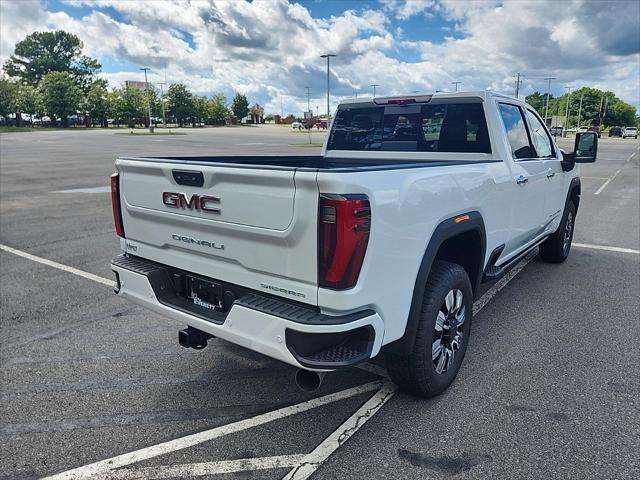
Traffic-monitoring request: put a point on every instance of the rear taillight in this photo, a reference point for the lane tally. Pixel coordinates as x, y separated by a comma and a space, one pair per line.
115, 204
343, 233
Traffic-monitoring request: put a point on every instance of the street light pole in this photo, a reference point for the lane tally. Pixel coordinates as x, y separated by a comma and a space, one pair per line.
566, 115
164, 116
546, 108
580, 109
374, 85
456, 84
146, 89
309, 100
328, 57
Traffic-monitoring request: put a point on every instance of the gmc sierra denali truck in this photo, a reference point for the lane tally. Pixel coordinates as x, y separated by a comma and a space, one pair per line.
379, 245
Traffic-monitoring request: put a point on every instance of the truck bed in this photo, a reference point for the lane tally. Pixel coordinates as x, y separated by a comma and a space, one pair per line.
297, 162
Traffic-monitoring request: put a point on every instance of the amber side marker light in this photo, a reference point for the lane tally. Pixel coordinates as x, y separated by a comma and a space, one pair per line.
461, 218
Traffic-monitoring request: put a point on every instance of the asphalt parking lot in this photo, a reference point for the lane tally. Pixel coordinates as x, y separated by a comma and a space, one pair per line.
549, 388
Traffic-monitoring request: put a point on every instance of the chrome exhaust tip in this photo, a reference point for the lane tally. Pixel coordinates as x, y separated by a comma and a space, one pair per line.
309, 381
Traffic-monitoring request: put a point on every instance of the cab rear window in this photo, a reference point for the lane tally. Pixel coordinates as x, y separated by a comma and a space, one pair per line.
445, 127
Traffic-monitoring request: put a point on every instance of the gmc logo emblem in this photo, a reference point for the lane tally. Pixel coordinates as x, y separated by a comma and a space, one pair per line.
204, 203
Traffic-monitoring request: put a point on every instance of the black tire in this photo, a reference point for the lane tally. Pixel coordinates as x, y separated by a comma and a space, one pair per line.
417, 372
556, 248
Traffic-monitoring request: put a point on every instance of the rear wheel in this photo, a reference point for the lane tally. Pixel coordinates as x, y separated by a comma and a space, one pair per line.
556, 248
442, 336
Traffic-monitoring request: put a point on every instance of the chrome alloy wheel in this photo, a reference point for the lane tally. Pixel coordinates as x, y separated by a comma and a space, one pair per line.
568, 231
448, 332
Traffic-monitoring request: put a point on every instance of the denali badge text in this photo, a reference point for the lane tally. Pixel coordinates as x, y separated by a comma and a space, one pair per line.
204, 203
204, 243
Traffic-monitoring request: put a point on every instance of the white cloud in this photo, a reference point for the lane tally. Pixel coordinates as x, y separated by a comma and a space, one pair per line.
270, 48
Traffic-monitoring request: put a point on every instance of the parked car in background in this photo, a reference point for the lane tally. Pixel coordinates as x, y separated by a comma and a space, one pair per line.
583, 129
630, 132
615, 132
556, 131
297, 126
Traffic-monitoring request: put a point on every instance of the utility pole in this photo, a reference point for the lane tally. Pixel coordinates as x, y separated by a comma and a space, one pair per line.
566, 115
146, 89
517, 85
374, 85
604, 114
580, 109
281, 107
308, 99
328, 57
546, 108
164, 116
456, 84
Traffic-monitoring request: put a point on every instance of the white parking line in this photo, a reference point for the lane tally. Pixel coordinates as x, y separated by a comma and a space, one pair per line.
202, 469
604, 247
103, 189
604, 185
103, 466
316, 458
57, 265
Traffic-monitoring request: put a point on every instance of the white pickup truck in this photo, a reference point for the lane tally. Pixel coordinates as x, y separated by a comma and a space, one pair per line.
378, 245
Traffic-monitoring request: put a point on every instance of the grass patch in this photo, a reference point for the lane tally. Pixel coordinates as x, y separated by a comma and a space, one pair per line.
18, 129
305, 145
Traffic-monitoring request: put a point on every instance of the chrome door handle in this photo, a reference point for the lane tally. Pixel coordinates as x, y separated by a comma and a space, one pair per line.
520, 179
550, 173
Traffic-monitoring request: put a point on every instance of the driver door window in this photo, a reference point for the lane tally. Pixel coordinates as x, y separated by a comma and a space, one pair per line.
540, 137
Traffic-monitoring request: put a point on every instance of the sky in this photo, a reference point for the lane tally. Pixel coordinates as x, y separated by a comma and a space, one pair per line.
270, 50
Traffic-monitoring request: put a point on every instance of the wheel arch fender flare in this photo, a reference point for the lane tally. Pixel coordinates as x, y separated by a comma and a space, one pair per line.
447, 229
574, 191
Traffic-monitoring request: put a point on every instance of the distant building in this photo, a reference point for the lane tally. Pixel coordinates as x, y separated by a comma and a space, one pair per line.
555, 121
135, 84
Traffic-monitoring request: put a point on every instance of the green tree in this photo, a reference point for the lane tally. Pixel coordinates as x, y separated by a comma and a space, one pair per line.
61, 96
621, 114
538, 101
218, 110
97, 104
114, 106
132, 105
28, 100
240, 106
8, 91
595, 104
180, 101
200, 109
57, 51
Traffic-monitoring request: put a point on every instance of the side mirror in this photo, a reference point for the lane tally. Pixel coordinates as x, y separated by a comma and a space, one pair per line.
586, 147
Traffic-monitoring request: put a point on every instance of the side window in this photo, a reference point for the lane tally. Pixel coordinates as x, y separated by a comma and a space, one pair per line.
516, 129
357, 129
539, 135
454, 127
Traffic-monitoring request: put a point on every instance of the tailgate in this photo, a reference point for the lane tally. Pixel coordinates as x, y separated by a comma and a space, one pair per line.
255, 227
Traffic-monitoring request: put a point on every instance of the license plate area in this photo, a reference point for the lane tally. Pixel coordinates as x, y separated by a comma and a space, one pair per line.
205, 294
